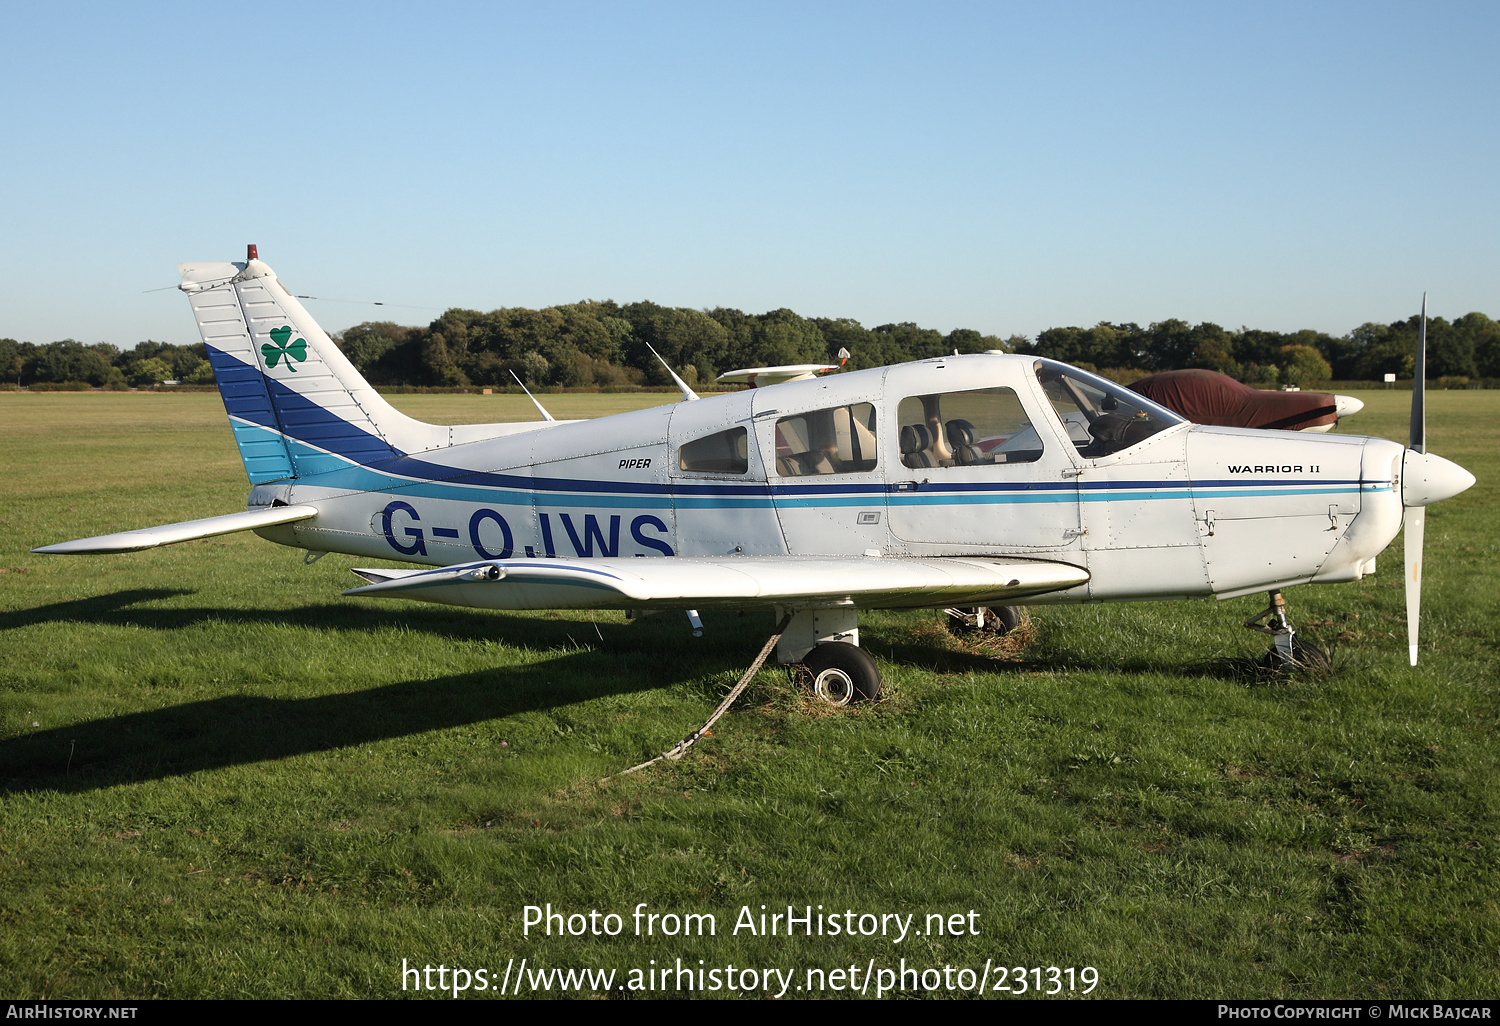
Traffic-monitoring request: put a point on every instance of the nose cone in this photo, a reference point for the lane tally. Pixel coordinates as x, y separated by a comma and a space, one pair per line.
1344, 405
1426, 479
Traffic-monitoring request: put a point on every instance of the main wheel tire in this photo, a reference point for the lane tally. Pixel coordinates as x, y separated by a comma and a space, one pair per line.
843, 673
999, 620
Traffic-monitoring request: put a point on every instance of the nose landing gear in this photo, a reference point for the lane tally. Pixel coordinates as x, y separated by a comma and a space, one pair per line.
1288, 652
998, 620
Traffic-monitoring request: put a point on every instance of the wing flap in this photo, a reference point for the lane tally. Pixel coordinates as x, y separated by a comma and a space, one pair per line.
888, 582
188, 530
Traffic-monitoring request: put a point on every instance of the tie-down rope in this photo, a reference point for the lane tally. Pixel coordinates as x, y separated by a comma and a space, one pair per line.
677, 750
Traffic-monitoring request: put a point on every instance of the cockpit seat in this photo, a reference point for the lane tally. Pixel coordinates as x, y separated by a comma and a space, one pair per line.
1115, 431
915, 439
805, 464
961, 438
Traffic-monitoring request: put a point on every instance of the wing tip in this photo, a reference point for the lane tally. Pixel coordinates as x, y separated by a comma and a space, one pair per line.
82, 548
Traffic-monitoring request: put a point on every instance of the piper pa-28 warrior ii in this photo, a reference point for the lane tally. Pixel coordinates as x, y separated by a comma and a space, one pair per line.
961, 482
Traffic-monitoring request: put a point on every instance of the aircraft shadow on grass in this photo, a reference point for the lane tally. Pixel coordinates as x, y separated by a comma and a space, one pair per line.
568, 630
239, 729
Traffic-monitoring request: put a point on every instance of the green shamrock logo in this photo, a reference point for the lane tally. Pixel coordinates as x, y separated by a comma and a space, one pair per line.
296, 351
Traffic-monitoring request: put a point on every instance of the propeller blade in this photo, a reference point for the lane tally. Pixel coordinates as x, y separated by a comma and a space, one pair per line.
1416, 517
1419, 387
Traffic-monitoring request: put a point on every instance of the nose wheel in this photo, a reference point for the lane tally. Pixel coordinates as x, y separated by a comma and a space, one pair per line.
1288, 652
842, 673
998, 620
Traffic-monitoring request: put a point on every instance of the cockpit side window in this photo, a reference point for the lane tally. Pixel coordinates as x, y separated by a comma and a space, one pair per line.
1100, 416
726, 452
962, 429
840, 440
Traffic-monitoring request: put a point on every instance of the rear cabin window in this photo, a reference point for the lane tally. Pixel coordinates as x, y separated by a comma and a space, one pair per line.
724, 453
840, 440
964, 429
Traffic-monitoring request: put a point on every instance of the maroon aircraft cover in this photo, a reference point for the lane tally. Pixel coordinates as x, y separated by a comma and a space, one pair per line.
1208, 397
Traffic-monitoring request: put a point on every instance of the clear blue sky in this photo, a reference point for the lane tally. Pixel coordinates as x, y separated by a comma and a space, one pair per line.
1001, 167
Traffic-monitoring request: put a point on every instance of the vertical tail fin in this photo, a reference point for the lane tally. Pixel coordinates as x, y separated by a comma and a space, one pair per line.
297, 405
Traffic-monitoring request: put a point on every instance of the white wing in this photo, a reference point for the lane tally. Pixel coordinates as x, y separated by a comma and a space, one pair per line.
870, 582
188, 530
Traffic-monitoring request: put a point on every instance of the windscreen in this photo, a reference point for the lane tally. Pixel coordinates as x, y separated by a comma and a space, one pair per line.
1100, 416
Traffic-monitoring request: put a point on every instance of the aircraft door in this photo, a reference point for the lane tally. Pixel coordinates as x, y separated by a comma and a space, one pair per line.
977, 469
822, 449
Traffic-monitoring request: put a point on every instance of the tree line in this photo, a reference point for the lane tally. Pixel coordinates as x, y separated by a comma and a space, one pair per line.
102, 364
1468, 347
610, 344
607, 344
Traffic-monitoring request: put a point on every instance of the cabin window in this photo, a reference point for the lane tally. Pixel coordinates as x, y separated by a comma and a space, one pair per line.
1100, 416
840, 440
963, 429
724, 453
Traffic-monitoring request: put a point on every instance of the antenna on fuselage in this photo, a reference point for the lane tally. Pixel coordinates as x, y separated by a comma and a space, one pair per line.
687, 393
539, 407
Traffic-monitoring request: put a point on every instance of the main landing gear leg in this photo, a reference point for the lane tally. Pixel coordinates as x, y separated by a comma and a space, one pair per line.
1287, 651
826, 641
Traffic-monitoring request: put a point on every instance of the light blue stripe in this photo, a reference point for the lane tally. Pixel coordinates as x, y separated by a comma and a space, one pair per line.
750, 502
263, 452
1113, 496
825, 501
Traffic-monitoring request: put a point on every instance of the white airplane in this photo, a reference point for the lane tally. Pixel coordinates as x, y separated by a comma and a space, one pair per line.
962, 481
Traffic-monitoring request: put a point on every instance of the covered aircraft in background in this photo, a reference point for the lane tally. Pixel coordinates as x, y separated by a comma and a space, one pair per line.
1208, 397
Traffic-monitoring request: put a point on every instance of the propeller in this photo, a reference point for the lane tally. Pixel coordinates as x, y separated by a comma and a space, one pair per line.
1415, 517
1425, 479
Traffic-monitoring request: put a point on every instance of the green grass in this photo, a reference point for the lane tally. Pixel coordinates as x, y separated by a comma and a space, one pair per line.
219, 778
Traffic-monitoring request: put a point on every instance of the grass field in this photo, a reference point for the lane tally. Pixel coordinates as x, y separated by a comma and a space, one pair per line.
220, 779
